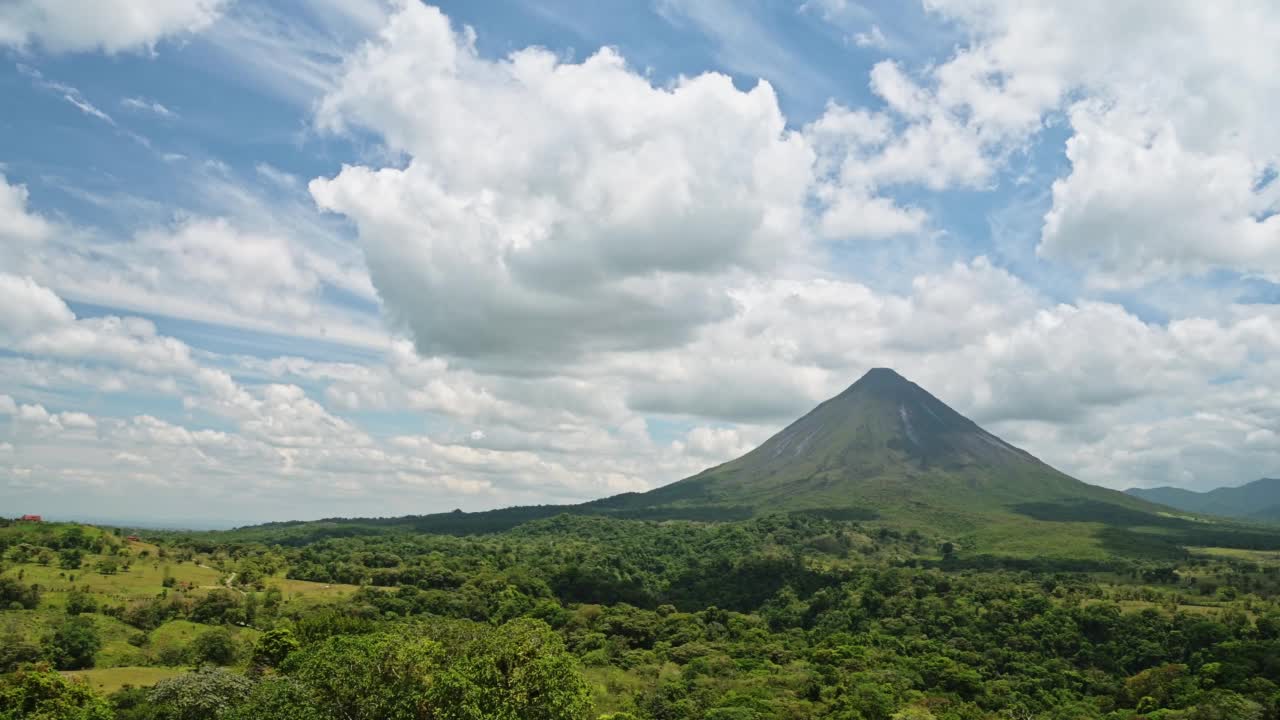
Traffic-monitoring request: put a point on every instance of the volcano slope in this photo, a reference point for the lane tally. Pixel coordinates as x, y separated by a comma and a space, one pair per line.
887, 450
889, 455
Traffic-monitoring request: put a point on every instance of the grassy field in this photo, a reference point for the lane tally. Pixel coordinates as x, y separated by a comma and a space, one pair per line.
144, 578
1261, 557
1020, 537
130, 655
109, 680
1139, 605
179, 633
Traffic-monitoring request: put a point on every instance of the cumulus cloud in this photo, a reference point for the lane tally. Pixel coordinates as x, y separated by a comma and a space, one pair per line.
557, 207
27, 308
18, 225
111, 26
1171, 149
1141, 204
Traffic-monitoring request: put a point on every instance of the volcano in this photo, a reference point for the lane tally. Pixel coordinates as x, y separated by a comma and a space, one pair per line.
883, 448
890, 456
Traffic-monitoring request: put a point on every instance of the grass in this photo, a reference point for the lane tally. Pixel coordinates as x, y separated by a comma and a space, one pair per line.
116, 650
293, 589
180, 633
144, 578
1019, 537
120, 661
109, 680
1139, 605
1261, 557
27, 624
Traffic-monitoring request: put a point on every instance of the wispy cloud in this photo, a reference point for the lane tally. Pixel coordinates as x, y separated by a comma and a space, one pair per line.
141, 104
68, 93
745, 44
873, 38
295, 55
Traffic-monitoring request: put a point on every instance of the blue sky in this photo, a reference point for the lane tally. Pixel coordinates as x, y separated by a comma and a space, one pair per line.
336, 257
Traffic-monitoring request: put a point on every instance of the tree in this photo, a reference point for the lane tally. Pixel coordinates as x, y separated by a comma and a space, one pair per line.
73, 644
41, 694
369, 677
519, 671
16, 650
218, 606
79, 602
279, 698
273, 647
214, 646
206, 694
16, 596
70, 558
73, 537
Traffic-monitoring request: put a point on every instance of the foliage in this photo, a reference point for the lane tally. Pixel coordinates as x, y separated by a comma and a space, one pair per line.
16, 596
206, 694
796, 615
520, 671
79, 601
74, 643
369, 677
215, 647
273, 647
39, 693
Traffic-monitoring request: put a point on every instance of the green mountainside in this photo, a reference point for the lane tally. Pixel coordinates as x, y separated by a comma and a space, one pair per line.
885, 451
883, 447
1258, 500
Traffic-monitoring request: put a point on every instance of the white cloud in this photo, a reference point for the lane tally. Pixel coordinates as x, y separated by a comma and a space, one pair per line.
77, 420
716, 444
1140, 204
1169, 110
556, 207
872, 38
129, 341
261, 266
111, 26
141, 104
18, 225
27, 308
269, 273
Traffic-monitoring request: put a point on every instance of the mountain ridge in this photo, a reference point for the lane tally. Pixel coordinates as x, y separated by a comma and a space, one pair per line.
1257, 500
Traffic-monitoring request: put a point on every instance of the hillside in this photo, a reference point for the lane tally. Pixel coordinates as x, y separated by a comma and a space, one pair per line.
1258, 500
885, 451
884, 447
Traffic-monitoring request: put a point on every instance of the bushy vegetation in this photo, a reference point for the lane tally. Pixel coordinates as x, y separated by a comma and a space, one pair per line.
803, 615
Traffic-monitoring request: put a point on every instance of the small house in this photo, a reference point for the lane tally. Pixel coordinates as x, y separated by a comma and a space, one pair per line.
30, 518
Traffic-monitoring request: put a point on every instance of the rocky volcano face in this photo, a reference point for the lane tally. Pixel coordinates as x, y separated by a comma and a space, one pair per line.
884, 413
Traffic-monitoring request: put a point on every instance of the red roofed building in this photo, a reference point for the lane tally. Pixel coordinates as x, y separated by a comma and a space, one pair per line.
30, 518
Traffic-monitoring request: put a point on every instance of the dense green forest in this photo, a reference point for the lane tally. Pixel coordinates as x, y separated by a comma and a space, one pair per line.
795, 615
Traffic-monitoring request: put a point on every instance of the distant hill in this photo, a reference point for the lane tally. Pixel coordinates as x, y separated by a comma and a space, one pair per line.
1258, 500
884, 451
